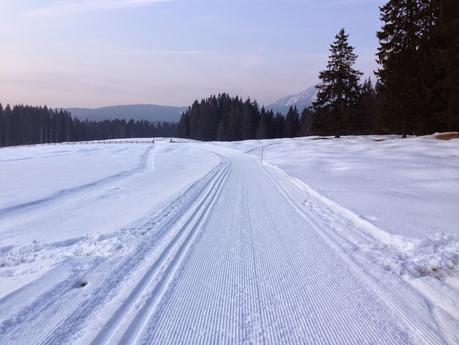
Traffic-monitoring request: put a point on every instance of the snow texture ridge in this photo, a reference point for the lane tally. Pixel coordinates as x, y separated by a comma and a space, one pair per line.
202, 243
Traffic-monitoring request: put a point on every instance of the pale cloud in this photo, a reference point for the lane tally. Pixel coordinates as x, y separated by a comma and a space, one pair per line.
178, 52
63, 8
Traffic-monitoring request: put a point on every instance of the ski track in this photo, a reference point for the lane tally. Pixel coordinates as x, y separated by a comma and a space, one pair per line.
278, 282
236, 259
33, 318
353, 236
68, 193
421, 330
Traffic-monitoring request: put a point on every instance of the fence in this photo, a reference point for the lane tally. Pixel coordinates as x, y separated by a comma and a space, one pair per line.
108, 142
89, 142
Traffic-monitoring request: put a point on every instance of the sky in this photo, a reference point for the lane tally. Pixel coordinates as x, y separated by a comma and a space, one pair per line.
92, 53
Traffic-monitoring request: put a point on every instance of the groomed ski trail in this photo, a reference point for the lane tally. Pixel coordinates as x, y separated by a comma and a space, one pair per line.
60, 314
234, 260
261, 274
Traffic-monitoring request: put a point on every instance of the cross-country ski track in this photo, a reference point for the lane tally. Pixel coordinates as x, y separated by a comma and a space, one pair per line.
244, 255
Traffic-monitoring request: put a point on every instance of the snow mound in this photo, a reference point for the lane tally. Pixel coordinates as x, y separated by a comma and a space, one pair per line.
436, 255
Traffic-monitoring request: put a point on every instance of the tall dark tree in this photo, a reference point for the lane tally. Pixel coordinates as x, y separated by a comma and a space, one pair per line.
338, 92
363, 121
400, 87
278, 126
183, 129
441, 42
250, 119
306, 120
265, 125
291, 123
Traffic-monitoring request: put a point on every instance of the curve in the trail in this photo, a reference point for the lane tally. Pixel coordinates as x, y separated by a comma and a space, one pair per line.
262, 274
234, 260
143, 163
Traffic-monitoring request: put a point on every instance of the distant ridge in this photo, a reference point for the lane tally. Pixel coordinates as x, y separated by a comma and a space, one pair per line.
149, 112
300, 100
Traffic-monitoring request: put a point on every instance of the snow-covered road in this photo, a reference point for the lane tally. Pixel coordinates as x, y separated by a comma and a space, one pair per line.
243, 255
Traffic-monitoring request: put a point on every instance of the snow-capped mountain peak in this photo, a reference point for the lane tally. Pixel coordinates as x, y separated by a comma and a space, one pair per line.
300, 100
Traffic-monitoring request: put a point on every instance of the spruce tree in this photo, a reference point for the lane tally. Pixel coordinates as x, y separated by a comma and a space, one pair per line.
183, 130
338, 92
278, 126
400, 87
291, 123
264, 125
444, 62
250, 119
306, 119
364, 119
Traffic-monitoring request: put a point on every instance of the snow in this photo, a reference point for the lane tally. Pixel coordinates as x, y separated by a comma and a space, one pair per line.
401, 194
350, 240
301, 100
72, 199
408, 187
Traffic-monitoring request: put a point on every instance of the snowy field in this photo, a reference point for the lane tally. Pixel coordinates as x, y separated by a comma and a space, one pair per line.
349, 241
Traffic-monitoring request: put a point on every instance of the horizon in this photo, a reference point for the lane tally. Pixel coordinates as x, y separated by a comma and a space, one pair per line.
99, 53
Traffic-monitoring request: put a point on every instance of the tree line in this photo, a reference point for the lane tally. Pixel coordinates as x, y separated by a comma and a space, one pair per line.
225, 118
416, 90
26, 125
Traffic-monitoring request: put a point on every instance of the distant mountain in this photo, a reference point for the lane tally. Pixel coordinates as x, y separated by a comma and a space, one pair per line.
149, 112
301, 100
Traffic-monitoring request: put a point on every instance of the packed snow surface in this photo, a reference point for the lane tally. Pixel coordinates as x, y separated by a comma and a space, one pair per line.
324, 241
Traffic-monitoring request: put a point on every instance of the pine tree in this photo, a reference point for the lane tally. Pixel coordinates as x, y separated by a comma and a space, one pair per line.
250, 119
400, 86
183, 130
364, 119
443, 47
278, 126
306, 120
263, 128
339, 91
291, 123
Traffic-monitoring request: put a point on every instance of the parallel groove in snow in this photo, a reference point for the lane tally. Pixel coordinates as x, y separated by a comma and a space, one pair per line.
76, 315
261, 275
420, 330
165, 266
235, 260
